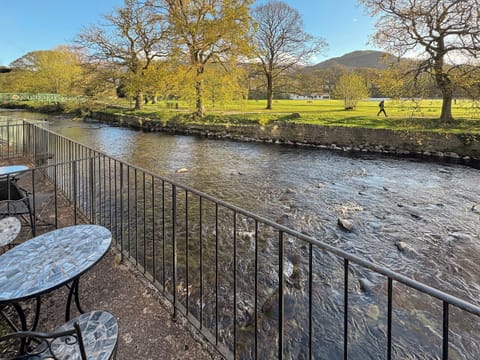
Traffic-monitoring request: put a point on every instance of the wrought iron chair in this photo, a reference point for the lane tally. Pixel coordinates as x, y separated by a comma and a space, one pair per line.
14, 200
90, 336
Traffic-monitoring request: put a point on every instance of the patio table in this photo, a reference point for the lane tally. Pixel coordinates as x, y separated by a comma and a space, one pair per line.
9, 229
49, 261
12, 169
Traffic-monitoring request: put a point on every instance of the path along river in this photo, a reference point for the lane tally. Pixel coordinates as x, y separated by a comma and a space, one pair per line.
433, 209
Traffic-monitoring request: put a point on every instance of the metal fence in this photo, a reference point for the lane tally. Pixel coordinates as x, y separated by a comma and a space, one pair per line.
39, 97
213, 261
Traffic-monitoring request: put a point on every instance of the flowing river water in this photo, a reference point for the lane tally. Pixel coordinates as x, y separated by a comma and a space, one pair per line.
421, 219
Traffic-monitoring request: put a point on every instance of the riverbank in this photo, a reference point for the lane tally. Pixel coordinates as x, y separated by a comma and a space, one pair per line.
461, 147
458, 144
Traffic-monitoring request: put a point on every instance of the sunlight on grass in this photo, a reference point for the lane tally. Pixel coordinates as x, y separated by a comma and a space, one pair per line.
402, 114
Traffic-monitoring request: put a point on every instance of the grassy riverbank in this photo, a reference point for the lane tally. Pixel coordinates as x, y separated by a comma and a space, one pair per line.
402, 114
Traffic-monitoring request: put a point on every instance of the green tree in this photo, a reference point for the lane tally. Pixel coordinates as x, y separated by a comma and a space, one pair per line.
206, 32
444, 34
57, 71
280, 41
132, 37
222, 87
351, 88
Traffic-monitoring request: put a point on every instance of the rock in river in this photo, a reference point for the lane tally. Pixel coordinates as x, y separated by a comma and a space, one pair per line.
404, 247
365, 284
345, 224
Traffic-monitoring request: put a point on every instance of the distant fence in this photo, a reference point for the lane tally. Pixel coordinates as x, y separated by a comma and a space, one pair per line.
230, 272
39, 97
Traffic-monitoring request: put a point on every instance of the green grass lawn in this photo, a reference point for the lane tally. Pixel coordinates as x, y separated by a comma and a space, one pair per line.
402, 114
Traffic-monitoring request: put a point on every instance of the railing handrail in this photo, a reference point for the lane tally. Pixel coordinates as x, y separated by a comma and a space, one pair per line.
439, 294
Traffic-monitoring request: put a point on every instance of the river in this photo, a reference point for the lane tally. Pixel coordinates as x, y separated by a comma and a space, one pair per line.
430, 210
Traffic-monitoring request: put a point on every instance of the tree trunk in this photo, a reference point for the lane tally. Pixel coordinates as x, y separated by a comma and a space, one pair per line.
199, 90
139, 100
269, 91
445, 85
446, 115
199, 102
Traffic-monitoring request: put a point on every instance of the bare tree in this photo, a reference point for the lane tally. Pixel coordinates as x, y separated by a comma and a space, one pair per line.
132, 37
444, 34
281, 43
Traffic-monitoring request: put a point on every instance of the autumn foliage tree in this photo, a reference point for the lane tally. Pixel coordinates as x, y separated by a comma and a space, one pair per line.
207, 32
56, 71
443, 34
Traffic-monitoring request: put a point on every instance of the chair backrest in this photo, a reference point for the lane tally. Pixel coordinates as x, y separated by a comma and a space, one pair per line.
9, 190
13, 200
92, 336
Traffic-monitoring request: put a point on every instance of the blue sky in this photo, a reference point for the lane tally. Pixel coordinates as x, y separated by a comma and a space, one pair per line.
30, 25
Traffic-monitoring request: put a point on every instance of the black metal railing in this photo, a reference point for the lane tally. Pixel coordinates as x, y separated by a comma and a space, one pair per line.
252, 287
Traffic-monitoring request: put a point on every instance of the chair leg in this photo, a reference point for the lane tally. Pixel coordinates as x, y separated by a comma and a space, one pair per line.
32, 218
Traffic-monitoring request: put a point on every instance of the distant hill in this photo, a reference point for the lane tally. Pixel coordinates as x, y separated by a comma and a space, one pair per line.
357, 59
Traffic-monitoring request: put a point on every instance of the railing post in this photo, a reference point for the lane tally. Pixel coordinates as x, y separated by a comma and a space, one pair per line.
55, 193
445, 331
164, 238
217, 334
121, 209
389, 319
8, 140
201, 259
174, 251
154, 252
234, 284
281, 284
345, 310
92, 191
310, 301
33, 207
186, 253
74, 185
256, 292
144, 223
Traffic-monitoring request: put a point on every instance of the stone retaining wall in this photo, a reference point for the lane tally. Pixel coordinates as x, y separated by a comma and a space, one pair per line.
460, 146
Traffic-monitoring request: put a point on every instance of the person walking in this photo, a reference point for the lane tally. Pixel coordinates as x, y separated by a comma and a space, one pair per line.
382, 108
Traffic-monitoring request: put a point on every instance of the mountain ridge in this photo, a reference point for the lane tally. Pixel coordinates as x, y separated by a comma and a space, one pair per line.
372, 59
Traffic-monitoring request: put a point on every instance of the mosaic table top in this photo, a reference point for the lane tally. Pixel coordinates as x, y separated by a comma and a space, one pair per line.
12, 169
51, 260
9, 229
